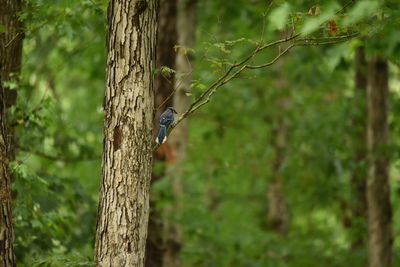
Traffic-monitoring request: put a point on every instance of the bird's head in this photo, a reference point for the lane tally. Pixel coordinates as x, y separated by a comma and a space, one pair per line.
172, 110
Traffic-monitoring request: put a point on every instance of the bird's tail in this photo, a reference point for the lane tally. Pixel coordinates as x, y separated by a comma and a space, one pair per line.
162, 135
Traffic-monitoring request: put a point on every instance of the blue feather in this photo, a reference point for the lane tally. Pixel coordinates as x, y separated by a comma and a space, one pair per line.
162, 135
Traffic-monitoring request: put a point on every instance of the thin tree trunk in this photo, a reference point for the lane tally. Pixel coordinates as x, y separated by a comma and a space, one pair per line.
186, 25
127, 157
358, 179
378, 188
278, 215
163, 87
10, 63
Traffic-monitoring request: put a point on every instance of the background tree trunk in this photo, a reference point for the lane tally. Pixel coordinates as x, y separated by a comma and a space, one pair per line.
186, 25
128, 138
378, 189
278, 215
163, 87
10, 63
358, 179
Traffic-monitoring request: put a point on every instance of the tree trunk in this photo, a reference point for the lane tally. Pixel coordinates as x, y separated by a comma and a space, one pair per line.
378, 188
163, 87
358, 178
10, 63
186, 25
278, 215
128, 137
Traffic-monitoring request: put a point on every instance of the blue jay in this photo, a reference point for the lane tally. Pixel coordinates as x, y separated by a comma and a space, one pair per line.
166, 120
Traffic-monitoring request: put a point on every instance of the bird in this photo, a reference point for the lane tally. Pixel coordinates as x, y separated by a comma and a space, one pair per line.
166, 120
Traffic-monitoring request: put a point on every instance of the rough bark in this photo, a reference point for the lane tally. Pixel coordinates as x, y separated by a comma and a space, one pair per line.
10, 63
378, 189
127, 157
358, 179
186, 24
163, 87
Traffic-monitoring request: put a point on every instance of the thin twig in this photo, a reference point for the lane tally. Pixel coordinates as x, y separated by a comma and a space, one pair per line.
22, 32
272, 61
174, 90
246, 59
264, 19
345, 6
176, 87
205, 97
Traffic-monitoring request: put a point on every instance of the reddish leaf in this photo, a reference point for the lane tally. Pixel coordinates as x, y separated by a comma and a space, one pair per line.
333, 28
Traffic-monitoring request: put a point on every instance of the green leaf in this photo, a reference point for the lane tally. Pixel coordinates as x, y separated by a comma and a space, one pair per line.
278, 16
233, 42
168, 72
198, 84
2, 28
221, 46
183, 50
10, 84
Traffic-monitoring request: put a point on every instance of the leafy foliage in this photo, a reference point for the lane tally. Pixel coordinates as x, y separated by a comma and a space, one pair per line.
58, 121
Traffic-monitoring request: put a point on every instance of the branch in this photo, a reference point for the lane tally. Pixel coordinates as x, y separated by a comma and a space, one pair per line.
293, 41
272, 61
309, 41
21, 33
345, 6
235, 65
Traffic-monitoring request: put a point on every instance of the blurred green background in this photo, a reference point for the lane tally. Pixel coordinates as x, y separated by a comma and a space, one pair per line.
231, 143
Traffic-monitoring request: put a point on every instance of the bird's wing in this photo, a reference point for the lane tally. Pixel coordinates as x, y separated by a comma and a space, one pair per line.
166, 120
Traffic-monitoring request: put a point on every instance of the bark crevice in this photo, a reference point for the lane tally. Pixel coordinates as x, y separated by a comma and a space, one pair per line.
127, 155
